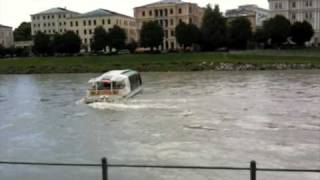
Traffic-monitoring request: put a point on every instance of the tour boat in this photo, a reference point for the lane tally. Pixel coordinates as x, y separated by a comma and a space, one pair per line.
114, 85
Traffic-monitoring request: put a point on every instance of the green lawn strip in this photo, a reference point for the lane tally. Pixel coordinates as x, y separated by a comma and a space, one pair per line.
143, 62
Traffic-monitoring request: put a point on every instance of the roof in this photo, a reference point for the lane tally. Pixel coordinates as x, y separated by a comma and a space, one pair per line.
165, 2
3, 26
115, 75
100, 13
57, 10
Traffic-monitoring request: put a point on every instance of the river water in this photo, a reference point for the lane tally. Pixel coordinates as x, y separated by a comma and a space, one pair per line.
194, 118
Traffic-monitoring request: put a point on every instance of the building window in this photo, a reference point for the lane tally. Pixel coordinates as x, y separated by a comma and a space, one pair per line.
161, 12
77, 31
293, 16
156, 12
60, 24
77, 23
171, 11
64, 23
143, 13
71, 23
190, 20
48, 17
64, 16
85, 32
294, 4
180, 10
44, 24
59, 16
43, 17
166, 12
84, 23
150, 13
53, 24
85, 40
52, 16
171, 22
172, 33
103, 22
94, 22
89, 22
109, 21
90, 31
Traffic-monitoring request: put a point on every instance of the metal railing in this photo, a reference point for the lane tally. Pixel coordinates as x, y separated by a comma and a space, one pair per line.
104, 165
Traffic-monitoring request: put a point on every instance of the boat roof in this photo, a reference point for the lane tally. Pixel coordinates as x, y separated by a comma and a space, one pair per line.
115, 75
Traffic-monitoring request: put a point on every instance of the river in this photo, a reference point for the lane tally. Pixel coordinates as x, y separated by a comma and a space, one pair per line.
186, 118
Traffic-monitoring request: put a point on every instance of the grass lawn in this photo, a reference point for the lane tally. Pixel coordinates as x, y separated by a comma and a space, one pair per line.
146, 62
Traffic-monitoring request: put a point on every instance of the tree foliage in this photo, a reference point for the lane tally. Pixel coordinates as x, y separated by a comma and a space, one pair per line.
151, 34
132, 46
41, 44
301, 32
240, 32
100, 39
187, 34
278, 29
117, 38
213, 29
23, 32
72, 42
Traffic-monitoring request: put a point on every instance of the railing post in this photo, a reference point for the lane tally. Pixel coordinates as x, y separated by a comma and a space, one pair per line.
104, 166
253, 170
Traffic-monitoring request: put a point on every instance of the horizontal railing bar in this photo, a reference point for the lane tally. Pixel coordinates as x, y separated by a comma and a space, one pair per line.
47, 164
160, 166
289, 170
177, 167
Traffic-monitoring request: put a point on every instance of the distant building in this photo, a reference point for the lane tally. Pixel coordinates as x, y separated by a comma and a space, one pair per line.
6, 36
253, 13
85, 24
168, 13
299, 10
51, 21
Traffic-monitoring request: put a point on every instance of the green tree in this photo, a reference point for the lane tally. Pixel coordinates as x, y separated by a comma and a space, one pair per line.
132, 46
41, 44
151, 35
58, 43
23, 32
278, 29
240, 32
72, 42
260, 36
301, 32
2, 51
187, 34
213, 29
117, 38
100, 39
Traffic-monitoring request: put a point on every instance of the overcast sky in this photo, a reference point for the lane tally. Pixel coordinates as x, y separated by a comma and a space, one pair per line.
13, 12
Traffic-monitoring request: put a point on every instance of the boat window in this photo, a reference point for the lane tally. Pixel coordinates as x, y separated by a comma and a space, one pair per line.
118, 85
135, 81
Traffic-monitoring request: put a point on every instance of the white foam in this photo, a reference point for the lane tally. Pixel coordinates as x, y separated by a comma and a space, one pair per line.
123, 106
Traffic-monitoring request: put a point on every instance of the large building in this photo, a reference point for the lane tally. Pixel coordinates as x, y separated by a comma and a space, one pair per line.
299, 10
85, 24
168, 13
51, 21
6, 36
253, 13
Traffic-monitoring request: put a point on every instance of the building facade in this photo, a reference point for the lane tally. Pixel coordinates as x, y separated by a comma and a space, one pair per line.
85, 24
253, 13
6, 36
51, 21
168, 13
299, 10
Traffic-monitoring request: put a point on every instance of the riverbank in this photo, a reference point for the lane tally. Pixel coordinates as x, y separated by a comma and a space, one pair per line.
158, 62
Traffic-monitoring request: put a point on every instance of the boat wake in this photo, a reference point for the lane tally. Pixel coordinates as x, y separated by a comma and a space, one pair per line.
127, 106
